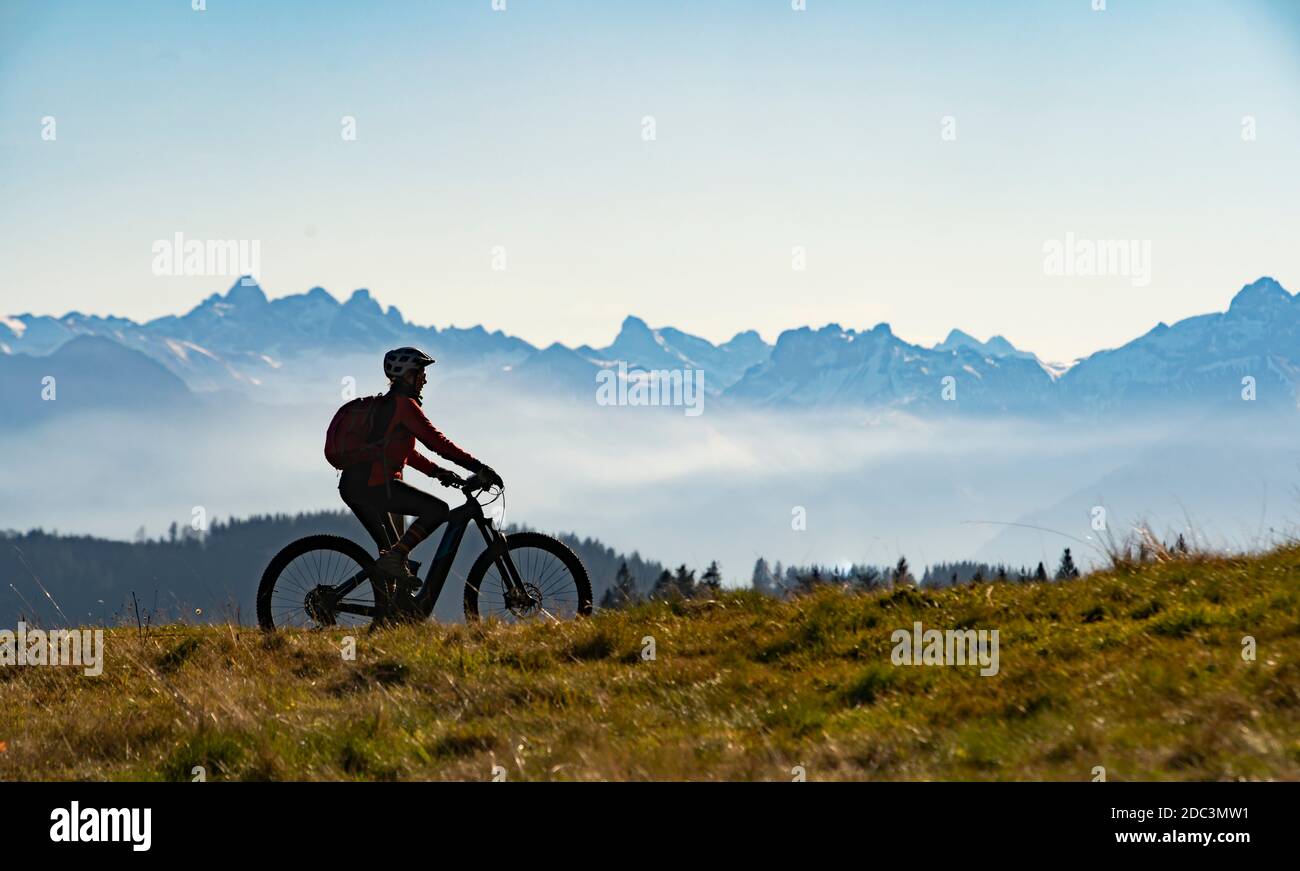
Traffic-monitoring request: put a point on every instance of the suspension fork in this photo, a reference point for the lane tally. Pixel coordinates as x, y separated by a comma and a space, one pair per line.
497, 546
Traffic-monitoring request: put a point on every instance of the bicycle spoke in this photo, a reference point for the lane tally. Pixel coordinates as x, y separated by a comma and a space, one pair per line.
543, 574
311, 575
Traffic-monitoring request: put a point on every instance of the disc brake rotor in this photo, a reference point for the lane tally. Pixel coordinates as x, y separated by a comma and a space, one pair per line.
521, 607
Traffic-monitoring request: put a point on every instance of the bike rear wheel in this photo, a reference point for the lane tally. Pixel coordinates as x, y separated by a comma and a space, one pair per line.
552, 574
294, 591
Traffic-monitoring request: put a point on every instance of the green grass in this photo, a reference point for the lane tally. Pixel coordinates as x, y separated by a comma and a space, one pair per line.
1138, 670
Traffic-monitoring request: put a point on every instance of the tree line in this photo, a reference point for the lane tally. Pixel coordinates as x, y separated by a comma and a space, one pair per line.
624, 590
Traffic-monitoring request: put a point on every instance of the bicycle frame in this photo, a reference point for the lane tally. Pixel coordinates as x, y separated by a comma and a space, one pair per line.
458, 521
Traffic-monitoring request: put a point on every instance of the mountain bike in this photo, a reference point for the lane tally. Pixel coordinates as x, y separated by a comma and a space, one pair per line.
325, 580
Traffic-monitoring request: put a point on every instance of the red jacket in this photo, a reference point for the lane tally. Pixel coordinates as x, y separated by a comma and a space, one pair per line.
407, 425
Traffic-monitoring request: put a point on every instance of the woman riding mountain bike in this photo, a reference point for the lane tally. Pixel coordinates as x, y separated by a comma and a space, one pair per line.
322, 581
375, 491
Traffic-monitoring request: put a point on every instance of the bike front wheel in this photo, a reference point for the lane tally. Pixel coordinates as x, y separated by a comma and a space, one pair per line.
554, 579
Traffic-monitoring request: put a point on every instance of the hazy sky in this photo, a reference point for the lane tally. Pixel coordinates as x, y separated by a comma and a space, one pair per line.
773, 129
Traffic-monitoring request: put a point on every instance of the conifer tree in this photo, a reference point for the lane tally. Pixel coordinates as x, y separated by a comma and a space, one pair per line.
712, 579
902, 573
1066, 570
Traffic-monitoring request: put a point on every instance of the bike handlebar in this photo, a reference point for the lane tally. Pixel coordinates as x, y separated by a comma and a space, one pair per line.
473, 485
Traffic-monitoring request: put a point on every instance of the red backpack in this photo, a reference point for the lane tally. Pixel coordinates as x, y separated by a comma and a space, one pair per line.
346, 439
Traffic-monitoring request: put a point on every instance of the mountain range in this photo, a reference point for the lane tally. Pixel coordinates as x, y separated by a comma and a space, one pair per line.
245, 343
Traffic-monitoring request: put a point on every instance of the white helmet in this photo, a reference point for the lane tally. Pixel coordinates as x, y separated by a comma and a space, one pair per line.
399, 361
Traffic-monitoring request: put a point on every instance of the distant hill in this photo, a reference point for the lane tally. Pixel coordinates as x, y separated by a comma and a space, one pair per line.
85, 373
214, 577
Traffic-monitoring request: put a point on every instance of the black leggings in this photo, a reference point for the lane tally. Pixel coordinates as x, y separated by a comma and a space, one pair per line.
381, 508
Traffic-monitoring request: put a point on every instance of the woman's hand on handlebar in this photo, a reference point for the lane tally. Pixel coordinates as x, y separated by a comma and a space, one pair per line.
448, 478
488, 476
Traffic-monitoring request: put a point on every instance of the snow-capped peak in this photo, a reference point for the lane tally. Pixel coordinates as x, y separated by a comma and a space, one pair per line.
14, 325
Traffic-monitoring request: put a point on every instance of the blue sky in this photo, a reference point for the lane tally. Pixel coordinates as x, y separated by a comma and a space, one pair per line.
774, 129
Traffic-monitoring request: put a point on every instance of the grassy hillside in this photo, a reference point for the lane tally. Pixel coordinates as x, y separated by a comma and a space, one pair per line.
1138, 670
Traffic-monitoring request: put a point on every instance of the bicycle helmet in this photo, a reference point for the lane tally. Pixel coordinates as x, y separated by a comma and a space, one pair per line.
399, 361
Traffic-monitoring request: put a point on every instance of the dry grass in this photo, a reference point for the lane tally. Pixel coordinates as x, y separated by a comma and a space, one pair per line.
1138, 669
